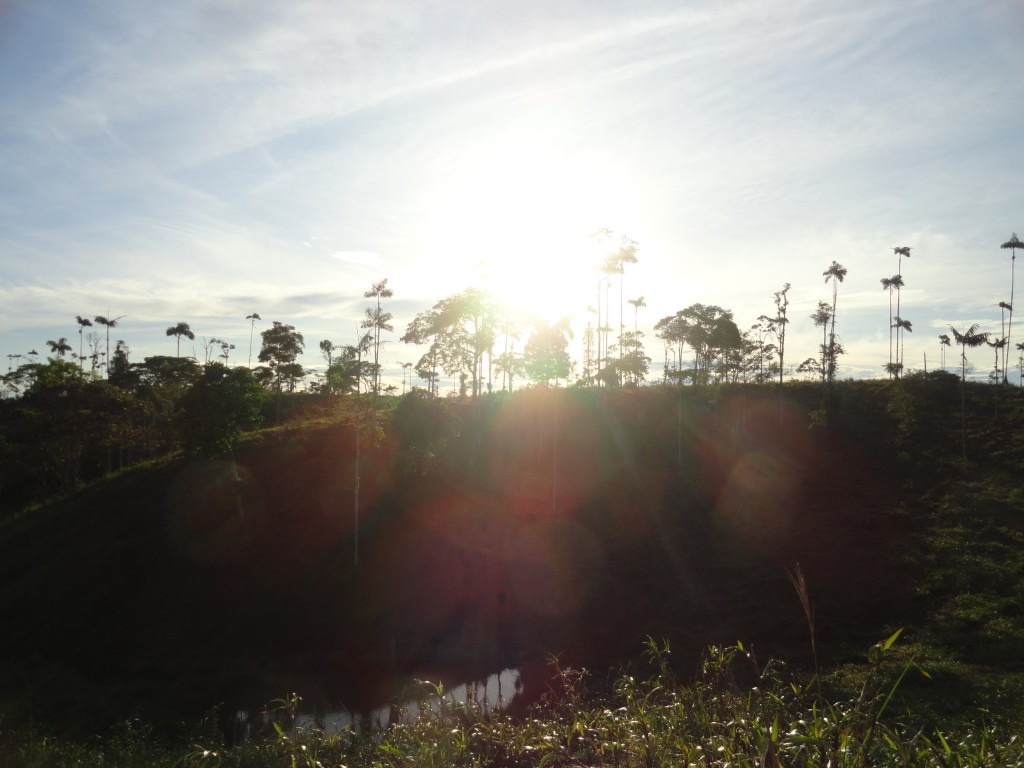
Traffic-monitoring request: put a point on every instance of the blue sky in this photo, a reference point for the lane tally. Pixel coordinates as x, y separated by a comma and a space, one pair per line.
200, 161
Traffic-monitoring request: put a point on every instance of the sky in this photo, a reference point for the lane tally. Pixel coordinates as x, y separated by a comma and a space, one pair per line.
204, 160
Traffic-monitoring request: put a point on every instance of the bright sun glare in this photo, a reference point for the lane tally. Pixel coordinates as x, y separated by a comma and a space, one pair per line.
519, 224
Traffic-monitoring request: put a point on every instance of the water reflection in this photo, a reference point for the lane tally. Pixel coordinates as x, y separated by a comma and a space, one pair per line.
485, 696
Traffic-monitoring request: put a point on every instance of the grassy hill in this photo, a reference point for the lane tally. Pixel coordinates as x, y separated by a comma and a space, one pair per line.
497, 532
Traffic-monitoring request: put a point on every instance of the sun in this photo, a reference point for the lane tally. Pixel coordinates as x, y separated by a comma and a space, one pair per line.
520, 224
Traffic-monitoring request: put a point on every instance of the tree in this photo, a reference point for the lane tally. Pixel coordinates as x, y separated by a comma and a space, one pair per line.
891, 284
83, 323
405, 373
463, 329
674, 331
222, 404
776, 326
821, 318
637, 303
901, 325
108, 323
179, 330
836, 273
252, 327
972, 338
1012, 244
59, 347
999, 345
779, 324
282, 345
546, 355
943, 343
327, 349
376, 321
709, 331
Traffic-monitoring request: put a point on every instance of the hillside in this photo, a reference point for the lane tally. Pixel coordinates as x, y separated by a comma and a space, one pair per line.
499, 531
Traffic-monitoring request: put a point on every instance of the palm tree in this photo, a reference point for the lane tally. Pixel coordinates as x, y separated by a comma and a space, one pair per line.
83, 323
888, 286
900, 325
626, 255
891, 284
999, 345
1020, 363
1003, 308
59, 347
253, 317
972, 338
179, 330
1013, 244
109, 323
836, 273
377, 321
637, 303
943, 343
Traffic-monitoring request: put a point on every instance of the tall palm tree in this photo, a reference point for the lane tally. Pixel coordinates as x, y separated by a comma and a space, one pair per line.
610, 267
943, 343
109, 323
637, 303
253, 317
83, 323
626, 255
999, 345
1003, 309
1020, 364
179, 330
59, 347
836, 273
887, 285
377, 321
901, 325
972, 338
1013, 244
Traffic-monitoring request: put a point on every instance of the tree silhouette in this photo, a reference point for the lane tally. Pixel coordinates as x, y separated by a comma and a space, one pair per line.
780, 322
1020, 364
625, 255
634, 341
59, 347
282, 345
377, 321
546, 356
999, 345
900, 251
821, 317
891, 284
1012, 244
972, 338
1003, 308
943, 343
901, 325
179, 330
836, 273
252, 327
83, 323
108, 323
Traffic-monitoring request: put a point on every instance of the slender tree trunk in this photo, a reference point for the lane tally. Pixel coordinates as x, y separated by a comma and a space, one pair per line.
1009, 329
